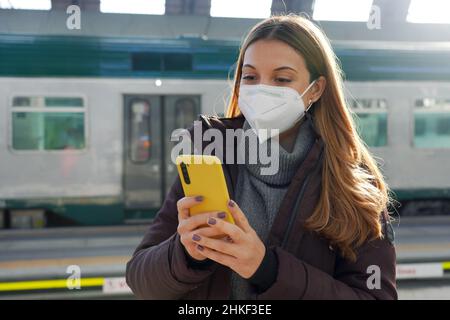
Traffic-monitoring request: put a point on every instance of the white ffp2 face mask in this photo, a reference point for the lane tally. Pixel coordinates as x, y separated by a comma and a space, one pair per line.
269, 107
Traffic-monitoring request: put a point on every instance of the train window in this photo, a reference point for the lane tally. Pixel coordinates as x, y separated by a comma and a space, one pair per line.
185, 112
55, 102
146, 61
177, 62
37, 127
22, 102
432, 123
139, 135
161, 61
371, 120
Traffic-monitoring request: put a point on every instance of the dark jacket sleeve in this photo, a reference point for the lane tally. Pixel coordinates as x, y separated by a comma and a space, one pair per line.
352, 280
159, 268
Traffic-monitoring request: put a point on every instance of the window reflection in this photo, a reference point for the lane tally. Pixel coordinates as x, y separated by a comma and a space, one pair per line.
140, 140
371, 120
37, 127
432, 123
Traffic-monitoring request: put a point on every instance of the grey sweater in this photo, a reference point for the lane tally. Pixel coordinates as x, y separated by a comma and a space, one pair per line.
260, 196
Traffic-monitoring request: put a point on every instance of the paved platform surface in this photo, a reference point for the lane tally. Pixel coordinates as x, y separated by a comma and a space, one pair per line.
46, 253
101, 253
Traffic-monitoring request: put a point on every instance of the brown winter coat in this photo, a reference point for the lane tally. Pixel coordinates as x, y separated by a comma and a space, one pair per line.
308, 267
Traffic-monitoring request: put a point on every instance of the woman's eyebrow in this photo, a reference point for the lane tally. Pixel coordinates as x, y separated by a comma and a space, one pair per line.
276, 69
284, 67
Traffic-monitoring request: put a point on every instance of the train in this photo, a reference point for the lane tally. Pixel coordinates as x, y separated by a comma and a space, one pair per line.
85, 122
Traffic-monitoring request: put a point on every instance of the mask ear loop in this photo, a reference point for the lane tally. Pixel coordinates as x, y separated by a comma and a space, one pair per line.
308, 112
310, 102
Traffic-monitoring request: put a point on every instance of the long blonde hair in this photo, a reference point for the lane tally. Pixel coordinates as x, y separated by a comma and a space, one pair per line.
353, 193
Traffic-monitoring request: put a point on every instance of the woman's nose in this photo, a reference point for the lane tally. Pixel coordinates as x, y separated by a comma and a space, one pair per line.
265, 81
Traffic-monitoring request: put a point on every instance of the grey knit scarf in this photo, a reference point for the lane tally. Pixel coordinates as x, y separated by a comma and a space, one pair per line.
260, 196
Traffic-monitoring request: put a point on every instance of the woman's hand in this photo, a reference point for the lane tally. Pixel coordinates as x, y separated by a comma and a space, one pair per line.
243, 254
188, 225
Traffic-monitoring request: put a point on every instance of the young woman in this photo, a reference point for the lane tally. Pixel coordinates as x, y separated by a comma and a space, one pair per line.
317, 228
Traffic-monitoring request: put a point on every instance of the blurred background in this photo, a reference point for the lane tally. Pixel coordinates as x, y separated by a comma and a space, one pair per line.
90, 91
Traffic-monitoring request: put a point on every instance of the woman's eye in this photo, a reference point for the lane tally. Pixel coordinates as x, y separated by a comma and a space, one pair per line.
283, 80
248, 77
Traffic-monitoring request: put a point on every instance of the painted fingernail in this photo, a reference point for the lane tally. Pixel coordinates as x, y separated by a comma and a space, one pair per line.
196, 237
212, 221
199, 247
231, 203
199, 198
222, 215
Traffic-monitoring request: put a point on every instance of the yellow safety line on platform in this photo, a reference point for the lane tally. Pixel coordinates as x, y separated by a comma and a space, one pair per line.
48, 284
85, 282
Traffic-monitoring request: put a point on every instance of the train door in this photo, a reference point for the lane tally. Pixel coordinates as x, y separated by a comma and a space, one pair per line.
180, 112
142, 151
149, 121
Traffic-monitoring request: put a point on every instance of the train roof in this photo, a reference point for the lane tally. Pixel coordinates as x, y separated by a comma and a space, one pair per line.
90, 56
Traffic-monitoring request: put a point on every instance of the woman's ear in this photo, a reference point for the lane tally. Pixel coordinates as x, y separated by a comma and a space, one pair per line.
318, 88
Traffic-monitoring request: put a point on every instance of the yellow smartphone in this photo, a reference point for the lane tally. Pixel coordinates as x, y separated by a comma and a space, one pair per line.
202, 175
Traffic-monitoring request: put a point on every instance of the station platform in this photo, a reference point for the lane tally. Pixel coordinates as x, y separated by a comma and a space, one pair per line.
422, 239
42, 260
35, 263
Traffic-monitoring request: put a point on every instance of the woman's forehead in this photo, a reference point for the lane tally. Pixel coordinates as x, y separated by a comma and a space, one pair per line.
273, 54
